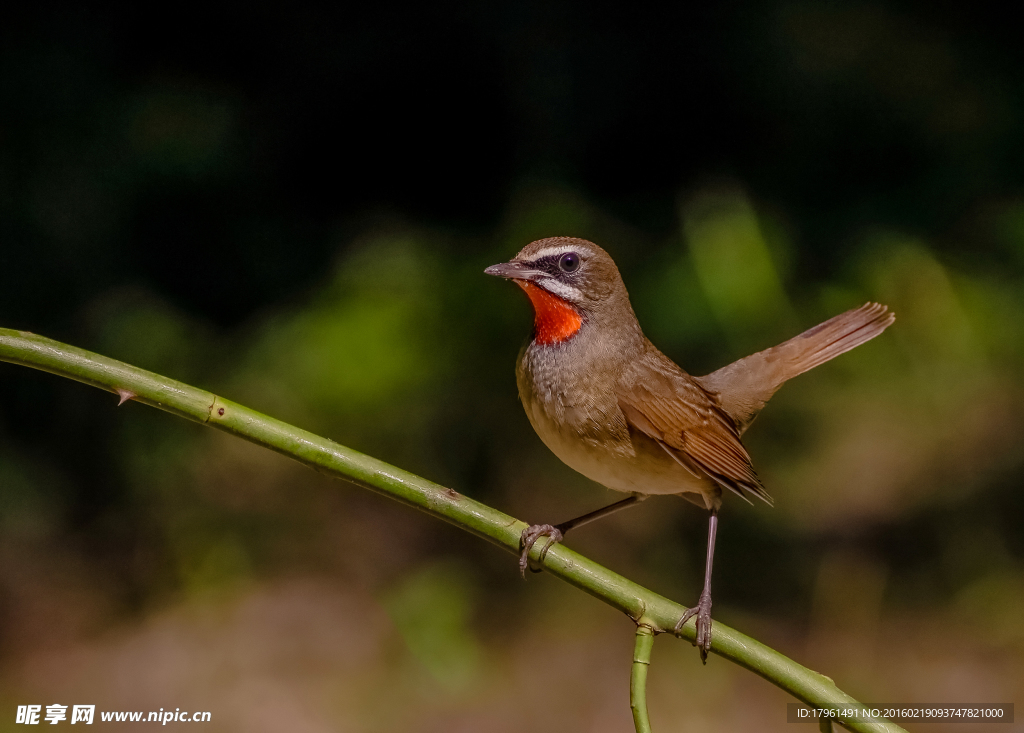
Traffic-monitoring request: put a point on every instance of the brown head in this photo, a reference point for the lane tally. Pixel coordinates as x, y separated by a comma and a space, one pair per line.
572, 284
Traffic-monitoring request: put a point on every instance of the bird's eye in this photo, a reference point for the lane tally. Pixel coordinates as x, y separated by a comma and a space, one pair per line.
569, 262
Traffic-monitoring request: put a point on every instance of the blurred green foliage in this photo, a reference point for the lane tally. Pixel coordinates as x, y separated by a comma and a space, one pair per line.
433, 612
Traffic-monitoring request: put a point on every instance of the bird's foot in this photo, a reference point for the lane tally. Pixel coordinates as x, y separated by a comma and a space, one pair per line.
529, 537
703, 613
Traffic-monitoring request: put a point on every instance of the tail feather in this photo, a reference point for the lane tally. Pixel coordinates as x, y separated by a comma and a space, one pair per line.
830, 339
744, 386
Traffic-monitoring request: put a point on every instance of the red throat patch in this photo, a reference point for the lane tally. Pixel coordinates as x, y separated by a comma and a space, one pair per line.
554, 320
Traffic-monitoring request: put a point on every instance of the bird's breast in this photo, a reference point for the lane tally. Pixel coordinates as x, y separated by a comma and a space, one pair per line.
577, 416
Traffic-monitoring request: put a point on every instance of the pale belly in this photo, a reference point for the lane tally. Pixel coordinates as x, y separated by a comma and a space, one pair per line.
633, 463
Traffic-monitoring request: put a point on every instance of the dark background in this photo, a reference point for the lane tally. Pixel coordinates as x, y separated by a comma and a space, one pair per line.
292, 206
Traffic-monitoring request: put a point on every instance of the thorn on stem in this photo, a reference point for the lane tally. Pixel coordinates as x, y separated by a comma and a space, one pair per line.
125, 396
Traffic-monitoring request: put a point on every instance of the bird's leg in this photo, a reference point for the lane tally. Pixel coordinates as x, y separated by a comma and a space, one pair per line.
703, 608
557, 532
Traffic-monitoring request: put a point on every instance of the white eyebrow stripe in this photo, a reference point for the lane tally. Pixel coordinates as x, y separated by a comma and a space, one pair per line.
552, 251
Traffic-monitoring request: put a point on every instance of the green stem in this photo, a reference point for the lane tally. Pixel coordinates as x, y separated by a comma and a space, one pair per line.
824, 725
638, 678
641, 605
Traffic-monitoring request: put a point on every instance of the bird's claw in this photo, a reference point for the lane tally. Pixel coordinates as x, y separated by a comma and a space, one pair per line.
529, 537
703, 613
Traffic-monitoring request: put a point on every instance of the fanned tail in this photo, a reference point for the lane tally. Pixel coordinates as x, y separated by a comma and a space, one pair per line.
828, 340
743, 387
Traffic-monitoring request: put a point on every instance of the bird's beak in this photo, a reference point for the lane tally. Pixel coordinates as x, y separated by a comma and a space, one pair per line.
515, 271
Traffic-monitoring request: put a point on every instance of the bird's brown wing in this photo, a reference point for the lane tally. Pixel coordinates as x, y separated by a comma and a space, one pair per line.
677, 412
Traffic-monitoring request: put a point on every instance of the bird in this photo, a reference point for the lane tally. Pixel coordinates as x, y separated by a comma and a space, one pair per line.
611, 406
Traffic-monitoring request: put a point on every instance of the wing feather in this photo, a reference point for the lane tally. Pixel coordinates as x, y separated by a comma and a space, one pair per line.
687, 422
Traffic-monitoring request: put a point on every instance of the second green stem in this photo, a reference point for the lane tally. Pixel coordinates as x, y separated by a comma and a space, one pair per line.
638, 678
